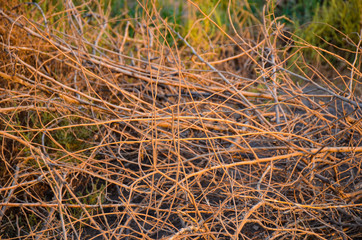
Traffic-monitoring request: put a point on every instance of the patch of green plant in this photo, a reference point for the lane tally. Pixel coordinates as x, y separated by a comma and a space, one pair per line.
46, 6
298, 10
331, 24
92, 194
29, 222
205, 31
260, 88
72, 138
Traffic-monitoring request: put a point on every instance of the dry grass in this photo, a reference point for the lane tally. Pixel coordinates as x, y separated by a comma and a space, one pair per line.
107, 136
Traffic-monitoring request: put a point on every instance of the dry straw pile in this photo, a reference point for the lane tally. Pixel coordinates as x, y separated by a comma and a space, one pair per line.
111, 135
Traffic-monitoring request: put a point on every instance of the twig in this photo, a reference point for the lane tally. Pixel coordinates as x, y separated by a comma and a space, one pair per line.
246, 101
12, 189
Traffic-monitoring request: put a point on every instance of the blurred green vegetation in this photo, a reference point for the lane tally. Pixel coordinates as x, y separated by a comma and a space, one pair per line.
333, 25
325, 24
